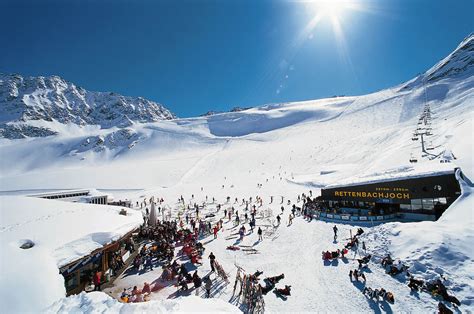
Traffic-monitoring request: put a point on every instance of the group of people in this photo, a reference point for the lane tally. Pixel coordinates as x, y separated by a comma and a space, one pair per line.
136, 295
435, 287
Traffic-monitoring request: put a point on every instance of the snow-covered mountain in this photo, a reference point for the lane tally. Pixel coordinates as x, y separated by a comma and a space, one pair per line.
25, 100
458, 64
278, 150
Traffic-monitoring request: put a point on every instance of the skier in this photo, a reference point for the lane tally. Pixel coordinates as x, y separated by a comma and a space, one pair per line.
290, 220
260, 238
242, 232
282, 209
212, 259
215, 232
335, 232
278, 220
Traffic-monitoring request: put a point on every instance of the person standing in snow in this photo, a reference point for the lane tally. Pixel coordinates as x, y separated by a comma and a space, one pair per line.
148, 262
212, 260
196, 281
278, 220
290, 220
242, 232
208, 286
260, 238
215, 232
335, 232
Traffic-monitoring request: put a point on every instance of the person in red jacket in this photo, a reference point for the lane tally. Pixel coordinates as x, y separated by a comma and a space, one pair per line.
97, 280
215, 232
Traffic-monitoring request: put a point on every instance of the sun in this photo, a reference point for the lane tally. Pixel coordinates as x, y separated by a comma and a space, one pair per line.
329, 8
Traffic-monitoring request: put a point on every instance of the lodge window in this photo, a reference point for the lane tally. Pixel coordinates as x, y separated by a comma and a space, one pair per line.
416, 204
405, 206
441, 200
428, 203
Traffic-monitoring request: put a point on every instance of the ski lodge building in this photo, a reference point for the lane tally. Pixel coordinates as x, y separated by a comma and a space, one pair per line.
402, 196
91, 196
75, 238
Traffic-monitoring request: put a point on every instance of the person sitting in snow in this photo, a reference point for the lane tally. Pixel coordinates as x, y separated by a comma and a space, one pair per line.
124, 296
146, 288
415, 284
364, 260
135, 290
285, 291
387, 260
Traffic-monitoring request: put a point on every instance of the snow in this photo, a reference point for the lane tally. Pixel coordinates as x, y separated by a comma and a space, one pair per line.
100, 302
288, 148
427, 169
438, 248
62, 232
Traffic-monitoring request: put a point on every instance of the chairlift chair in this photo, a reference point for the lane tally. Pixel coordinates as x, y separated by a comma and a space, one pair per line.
413, 159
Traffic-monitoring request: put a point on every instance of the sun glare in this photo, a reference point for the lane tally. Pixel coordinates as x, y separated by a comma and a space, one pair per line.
329, 8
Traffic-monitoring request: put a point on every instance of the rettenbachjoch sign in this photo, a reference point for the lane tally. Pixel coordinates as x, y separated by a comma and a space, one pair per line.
397, 191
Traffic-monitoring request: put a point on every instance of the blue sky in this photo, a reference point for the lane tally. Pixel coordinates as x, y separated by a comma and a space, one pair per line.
199, 55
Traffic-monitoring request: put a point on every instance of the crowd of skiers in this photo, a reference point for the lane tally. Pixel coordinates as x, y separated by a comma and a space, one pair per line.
166, 234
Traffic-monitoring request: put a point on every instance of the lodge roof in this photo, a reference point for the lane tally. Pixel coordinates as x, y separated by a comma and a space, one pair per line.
428, 169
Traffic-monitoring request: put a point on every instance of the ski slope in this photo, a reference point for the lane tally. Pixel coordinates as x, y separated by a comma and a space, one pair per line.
288, 148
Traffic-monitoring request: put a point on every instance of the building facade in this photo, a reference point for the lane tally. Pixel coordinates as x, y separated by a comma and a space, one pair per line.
424, 197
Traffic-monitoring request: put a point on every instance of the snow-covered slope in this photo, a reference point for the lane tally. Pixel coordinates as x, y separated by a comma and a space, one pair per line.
289, 149
99, 302
25, 99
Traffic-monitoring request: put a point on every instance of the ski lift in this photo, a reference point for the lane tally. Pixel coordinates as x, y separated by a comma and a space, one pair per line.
414, 138
430, 147
413, 159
